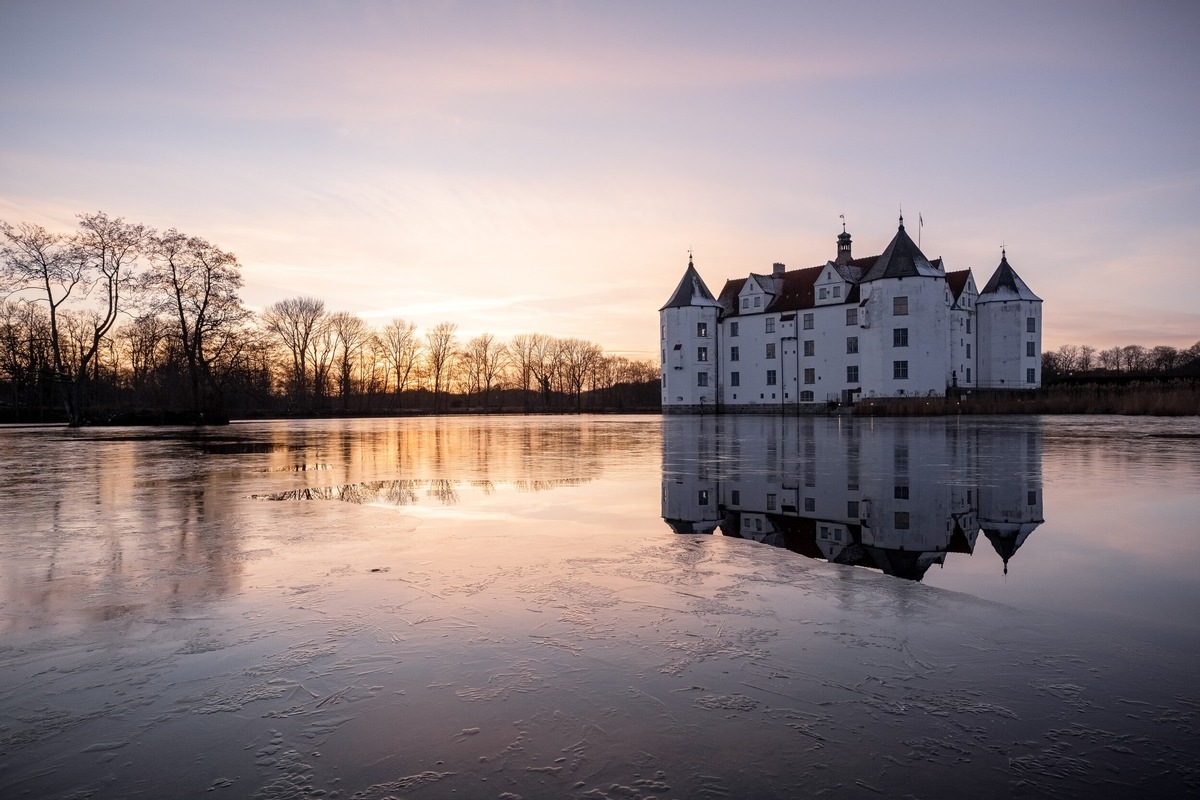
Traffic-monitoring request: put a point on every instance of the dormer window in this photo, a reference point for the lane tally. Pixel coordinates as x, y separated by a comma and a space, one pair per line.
745, 303
757, 302
837, 291
823, 293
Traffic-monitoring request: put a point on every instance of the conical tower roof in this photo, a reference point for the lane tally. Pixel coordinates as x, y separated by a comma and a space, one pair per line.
691, 291
1006, 284
902, 259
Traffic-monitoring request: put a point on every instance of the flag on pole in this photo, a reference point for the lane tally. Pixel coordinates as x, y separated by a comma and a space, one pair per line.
920, 221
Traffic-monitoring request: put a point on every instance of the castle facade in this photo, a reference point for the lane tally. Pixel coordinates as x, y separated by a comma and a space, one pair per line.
892, 325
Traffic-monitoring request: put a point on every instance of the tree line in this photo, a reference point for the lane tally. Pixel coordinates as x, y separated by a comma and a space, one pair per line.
118, 319
1076, 360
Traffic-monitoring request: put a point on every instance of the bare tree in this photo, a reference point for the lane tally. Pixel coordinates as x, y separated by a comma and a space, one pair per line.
544, 363
1164, 358
350, 335
197, 284
1111, 358
486, 360
93, 265
521, 350
142, 342
577, 358
1068, 358
25, 356
1087, 358
441, 345
403, 349
1134, 357
294, 324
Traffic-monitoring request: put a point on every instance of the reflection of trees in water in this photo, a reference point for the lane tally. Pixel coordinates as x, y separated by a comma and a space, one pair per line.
542, 486
396, 493
407, 492
113, 531
495, 449
444, 490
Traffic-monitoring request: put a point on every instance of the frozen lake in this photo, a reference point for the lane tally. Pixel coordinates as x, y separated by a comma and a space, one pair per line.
602, 607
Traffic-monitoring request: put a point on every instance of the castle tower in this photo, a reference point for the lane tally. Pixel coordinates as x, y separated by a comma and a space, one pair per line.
688, 336
1010, 332
905, 300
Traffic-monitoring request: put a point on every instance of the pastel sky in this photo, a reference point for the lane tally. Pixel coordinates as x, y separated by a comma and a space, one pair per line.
517, 167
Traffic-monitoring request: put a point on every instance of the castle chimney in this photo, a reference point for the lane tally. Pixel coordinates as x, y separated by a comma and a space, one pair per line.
777, 268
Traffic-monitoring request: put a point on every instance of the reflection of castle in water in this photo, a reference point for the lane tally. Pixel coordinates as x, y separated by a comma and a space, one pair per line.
894, 495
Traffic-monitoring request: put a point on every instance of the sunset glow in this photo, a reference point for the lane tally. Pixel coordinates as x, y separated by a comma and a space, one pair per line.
546, 167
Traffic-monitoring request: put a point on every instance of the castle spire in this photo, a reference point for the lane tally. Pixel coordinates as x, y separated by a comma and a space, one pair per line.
843, 244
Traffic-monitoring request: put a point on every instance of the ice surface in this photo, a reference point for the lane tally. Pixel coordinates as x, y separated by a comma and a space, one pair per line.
169, 632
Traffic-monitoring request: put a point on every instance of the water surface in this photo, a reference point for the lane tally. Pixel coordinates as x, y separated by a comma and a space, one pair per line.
505, 607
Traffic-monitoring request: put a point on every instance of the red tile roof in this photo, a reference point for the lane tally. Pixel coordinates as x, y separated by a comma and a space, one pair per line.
794, 289
957, 281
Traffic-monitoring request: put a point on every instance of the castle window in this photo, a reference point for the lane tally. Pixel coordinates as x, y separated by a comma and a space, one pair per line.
664, 331
702, 379
702, 499
810, 375
823, 294
837, 291
852, 374
1031, 375
810, 504
1031, 324
900, 337
900, 370
852, 343
968, 374
901, 520
734, 352
851, 316
770, 325
735, 379
770, 349
770, 377
852, 508
808, 322
1031, 349
745, 303
809, 347
733, 328
702, 354
900, 493
806, 397
1031, 498
735, 497
968, 351
899, 306
968, 324
757, 302
702, 329
770, 502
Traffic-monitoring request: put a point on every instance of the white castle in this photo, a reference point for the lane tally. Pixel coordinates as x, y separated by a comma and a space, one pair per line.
892, 325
